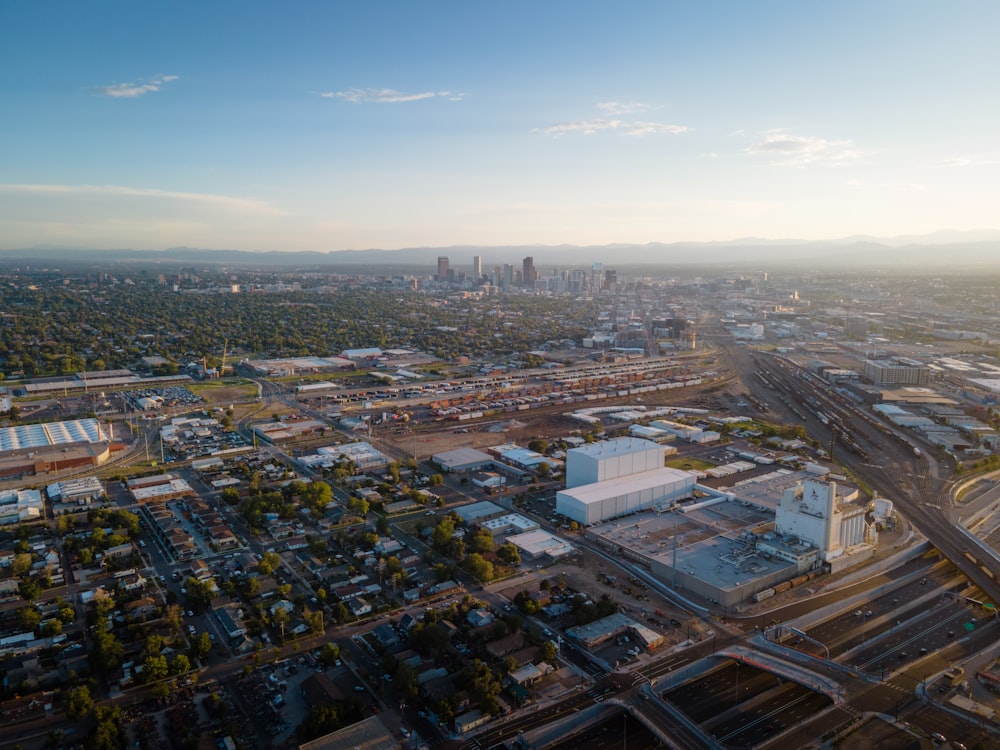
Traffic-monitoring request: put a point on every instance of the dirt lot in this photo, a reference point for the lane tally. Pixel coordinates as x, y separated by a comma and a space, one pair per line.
426, 440
223, 394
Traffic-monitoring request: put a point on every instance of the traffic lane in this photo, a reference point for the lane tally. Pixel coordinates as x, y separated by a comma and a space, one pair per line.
753, 724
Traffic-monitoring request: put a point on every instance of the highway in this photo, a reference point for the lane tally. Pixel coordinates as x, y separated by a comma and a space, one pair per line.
887, 461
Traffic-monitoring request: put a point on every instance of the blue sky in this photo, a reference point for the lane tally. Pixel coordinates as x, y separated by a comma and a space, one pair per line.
336, 125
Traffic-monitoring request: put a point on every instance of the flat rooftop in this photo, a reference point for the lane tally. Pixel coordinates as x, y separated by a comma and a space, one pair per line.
600, 491
651, 533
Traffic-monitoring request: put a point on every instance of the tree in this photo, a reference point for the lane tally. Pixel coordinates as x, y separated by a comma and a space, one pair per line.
313, 620
509, 554
549, 651
29, 589
180, 664
21, 564
200, 646
269, 562
479, 567
538, 445
441, 537
435, 480
543, 469
155, 668
329, 653
28, 618
79, 702
358, 506
481, 541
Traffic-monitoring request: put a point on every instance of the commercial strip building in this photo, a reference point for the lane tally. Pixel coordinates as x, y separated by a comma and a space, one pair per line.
159, 488
599, 631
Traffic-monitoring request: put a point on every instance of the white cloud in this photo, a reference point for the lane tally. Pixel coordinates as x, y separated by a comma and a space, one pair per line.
132, 90
905, 187
389, 96
589, 127
219, 201
800, 150
615, 109
977, 160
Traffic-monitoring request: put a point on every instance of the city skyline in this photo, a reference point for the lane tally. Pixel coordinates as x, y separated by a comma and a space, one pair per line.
327, 127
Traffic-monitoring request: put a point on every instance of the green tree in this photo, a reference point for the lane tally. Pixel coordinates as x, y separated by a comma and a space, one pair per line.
155, 668
329, 653
180, 664
481, 541
509, 554
21, 564
548, 651
79, 702
358, 506
200, 646
269, 562
107, 734
28, 618
479, 567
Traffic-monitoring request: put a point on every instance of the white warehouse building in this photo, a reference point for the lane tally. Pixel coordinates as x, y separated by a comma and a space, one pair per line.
618, 477
620, 457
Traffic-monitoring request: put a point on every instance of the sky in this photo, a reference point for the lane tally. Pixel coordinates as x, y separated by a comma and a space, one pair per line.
350, 125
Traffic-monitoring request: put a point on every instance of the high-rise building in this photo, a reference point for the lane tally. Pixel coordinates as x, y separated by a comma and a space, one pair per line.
477, 267
442, 274
508, 275
528, 273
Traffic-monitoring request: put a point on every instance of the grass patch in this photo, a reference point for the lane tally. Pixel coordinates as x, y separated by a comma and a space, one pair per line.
224, 391
689, 464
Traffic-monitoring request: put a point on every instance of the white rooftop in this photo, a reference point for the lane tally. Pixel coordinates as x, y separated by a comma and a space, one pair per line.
600, 491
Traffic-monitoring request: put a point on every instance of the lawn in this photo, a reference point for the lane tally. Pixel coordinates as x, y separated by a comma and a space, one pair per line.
689, 464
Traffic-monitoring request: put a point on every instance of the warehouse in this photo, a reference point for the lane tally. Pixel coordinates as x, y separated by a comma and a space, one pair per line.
463, 459
592, 503
611, 459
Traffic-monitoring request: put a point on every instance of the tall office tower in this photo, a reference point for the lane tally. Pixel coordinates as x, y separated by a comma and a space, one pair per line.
508, 275
497, 278
477, 267
528, 273
442, 268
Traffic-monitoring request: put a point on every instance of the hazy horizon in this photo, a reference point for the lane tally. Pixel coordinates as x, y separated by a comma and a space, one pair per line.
329, 127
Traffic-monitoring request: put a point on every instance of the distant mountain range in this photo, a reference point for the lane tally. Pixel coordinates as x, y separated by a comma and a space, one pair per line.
940, 250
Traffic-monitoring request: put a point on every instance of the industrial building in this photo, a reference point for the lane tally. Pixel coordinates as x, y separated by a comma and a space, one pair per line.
463, 459
80, 491
54, 446
831, 521
611, 459
533, 545
593, 503
617, 477
897, 371
18, 506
